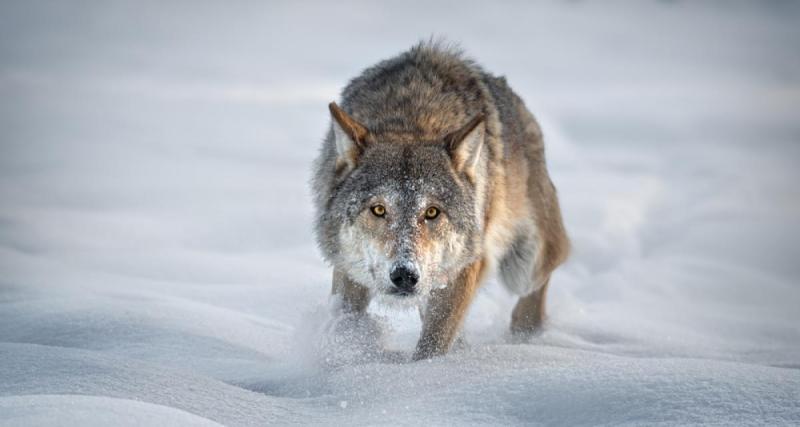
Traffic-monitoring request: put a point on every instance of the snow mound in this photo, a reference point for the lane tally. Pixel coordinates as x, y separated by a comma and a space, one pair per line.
74, 410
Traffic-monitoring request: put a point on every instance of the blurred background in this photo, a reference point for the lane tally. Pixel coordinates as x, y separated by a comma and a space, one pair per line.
155, 159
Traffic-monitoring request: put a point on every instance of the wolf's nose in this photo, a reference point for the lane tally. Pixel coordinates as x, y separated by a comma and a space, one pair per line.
404, 278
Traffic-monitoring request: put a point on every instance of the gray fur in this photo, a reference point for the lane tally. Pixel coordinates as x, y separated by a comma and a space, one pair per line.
497, 202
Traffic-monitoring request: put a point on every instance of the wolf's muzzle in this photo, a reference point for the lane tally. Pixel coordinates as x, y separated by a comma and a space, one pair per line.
405, 277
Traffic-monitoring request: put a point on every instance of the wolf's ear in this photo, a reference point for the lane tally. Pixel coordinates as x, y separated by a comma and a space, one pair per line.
465, 144
351, 136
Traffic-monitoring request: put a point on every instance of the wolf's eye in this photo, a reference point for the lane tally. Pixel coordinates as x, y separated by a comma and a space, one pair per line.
431, 213
378, 210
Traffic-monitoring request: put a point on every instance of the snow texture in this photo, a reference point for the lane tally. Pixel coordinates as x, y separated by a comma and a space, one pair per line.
155, 219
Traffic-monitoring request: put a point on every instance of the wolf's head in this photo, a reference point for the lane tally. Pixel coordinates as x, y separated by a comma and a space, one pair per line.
403, 217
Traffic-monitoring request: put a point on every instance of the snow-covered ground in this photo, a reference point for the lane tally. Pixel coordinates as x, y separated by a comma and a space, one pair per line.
157, 265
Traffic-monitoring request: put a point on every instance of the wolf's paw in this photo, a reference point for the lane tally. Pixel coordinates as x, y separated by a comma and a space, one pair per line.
524, 335
352, 339
460, 344
395, 356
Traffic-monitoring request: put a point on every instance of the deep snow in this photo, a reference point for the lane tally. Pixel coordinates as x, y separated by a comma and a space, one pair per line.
155, 247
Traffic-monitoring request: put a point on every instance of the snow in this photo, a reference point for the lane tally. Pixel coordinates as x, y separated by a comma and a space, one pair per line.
76, 410
156, 252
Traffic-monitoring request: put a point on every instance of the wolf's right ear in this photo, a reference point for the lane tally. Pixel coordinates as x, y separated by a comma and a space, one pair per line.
351, 136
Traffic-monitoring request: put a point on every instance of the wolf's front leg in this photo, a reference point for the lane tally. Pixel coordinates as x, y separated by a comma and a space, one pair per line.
355, 298
446, 310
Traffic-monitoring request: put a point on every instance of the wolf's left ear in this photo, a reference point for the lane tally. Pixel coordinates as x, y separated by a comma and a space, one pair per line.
351, 136
465, 144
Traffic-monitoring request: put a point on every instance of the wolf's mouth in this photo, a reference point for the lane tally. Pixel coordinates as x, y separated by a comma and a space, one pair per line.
402, 293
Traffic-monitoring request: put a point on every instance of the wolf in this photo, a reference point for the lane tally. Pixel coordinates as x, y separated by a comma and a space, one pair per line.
431, 175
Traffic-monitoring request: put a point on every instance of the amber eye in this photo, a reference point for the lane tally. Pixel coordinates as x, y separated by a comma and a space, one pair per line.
431, 213
378, 210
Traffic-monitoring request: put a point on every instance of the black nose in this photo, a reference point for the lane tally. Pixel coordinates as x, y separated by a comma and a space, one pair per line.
404, 278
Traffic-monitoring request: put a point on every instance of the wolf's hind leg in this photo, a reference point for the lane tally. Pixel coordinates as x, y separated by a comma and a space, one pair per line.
355, 298
529, 313
446, 310
518, 274
530, 262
